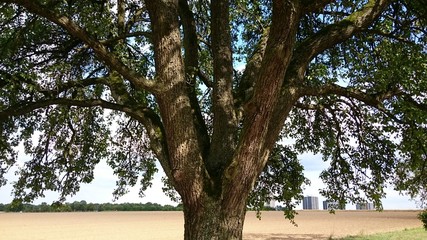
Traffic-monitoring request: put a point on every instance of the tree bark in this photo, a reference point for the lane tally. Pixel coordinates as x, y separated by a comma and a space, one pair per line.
210, 220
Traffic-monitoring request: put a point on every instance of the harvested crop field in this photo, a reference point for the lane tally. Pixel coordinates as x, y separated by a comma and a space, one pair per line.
169, 225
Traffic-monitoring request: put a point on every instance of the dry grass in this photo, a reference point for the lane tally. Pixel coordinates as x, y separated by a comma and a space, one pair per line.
169, 225
323, 225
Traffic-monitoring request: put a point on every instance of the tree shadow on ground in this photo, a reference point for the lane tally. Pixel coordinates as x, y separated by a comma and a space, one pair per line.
272, 236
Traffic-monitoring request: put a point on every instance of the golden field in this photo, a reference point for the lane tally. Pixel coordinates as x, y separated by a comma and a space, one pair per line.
169, 225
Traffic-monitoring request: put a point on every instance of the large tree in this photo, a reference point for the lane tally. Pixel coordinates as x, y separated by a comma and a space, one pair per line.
133, 82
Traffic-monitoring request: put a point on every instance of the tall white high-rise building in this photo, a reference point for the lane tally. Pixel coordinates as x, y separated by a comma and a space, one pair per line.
365, 206
328, 205
310, 202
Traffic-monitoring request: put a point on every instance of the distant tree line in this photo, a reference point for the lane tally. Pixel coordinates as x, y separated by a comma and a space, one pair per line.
83, 206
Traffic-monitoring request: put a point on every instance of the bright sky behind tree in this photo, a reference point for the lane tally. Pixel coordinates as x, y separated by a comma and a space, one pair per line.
100, 190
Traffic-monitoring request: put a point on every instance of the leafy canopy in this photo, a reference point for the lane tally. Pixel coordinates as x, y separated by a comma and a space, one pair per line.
72, 103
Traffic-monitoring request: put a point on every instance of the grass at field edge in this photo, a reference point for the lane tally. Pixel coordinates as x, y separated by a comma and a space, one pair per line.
407, 234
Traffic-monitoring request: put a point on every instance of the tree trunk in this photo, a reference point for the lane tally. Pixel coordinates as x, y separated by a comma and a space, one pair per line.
208, 220
214, 178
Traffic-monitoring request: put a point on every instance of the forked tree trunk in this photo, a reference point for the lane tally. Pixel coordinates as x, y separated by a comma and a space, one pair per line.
209, 221
214, 178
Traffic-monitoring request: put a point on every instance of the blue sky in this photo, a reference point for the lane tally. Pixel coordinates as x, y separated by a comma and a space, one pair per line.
100, 190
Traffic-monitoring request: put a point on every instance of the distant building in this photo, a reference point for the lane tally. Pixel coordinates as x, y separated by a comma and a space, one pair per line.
365, 206
310, 202
328, 205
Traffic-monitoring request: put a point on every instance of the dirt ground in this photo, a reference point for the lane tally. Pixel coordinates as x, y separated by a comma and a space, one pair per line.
169, 225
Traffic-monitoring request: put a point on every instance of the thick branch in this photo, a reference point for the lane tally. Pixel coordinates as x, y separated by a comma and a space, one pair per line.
28, 107
191, 62
246, 85
146, 116
121, 15
334, 34
114, 81
190, 41
374, 100
225, 120
100, 50
181, 135
252, 153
